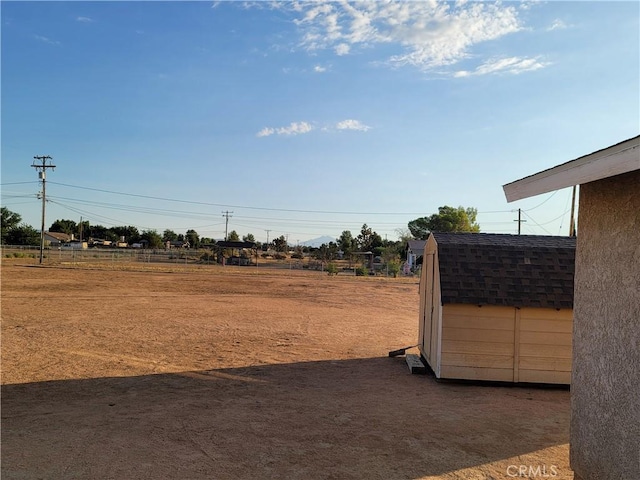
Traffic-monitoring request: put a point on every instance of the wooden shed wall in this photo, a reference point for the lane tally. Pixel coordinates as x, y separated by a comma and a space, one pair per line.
506, 344
429, 326
477, 342
545, 345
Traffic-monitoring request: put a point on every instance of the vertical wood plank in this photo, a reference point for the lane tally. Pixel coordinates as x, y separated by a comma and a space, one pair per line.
516, 346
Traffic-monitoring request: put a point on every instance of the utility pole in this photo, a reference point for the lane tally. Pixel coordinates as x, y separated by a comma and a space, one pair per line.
226, 225
45, 162
267, 237
520, 220
572, 224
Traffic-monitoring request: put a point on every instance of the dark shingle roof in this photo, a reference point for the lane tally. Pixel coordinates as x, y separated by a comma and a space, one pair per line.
510, 270
416, 246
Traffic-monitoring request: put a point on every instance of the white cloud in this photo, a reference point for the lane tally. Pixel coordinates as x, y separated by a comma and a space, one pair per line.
84, 19
295, 128
319, 69
557, 25
429, 34
342, 49
352, 125
512, 65
46, 40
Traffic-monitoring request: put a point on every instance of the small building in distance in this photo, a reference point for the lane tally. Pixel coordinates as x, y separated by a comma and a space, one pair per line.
415, 248
56, 239
497, 307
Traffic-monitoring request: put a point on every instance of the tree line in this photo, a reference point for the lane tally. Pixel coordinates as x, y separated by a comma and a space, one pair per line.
448, 219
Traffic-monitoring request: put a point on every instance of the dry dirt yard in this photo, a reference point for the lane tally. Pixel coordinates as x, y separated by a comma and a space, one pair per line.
151, 372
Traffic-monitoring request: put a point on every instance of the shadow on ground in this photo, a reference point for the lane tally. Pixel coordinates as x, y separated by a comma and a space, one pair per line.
352, 419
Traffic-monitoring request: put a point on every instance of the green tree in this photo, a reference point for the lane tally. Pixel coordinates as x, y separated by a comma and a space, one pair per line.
326, 252
153, 238
280, 244
23, 234
102, 232
233, 236
193, 238
346, 242
367, 240
64, 226
249, 238
448, 219
169, 236
10, 220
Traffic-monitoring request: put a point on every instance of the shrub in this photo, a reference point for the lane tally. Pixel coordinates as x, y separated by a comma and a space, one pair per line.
332, 269
362, 271
393, 268
280, 256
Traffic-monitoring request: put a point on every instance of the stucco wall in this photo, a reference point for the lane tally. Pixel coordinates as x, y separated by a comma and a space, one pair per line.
605, 392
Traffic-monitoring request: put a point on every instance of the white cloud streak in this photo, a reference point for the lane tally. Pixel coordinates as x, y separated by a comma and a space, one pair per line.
298, 128
557, 25
295, 128
84, 19
352, 125
511, 65
46, 40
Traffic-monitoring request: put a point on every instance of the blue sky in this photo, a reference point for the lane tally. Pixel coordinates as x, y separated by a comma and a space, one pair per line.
307, 119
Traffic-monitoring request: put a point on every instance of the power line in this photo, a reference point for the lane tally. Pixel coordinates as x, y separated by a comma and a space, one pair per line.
325, 212
545, 201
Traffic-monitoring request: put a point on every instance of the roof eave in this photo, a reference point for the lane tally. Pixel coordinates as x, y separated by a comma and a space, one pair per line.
615, 160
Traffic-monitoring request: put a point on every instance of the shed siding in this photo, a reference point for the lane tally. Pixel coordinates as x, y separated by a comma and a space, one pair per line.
477, 342
545, 345
506, 344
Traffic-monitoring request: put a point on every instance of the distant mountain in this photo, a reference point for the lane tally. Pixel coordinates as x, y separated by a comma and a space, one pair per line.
316, 242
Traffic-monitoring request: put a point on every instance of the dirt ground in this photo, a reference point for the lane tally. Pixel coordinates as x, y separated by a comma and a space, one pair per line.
145, 372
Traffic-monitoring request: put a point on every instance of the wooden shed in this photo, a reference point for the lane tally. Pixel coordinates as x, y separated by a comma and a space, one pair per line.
497, 307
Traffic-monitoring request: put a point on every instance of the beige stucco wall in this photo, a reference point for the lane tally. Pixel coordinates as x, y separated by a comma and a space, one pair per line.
605, 392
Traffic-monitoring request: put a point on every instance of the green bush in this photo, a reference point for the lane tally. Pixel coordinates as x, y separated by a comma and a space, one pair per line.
332, 269
362, 271
393, 268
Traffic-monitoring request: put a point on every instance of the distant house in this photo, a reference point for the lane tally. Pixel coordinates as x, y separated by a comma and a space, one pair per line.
56, 239
497, 307
415, 248
605, 387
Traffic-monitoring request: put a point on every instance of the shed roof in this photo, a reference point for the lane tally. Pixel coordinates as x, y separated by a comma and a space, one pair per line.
617, 159
230, 244
509, 270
